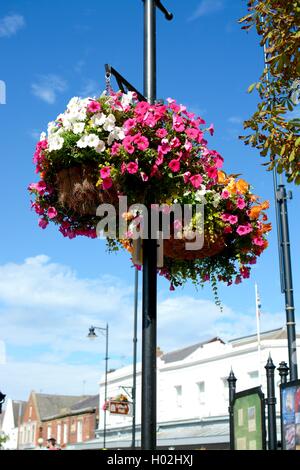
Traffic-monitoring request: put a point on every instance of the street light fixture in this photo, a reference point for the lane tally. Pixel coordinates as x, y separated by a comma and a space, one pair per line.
92, 335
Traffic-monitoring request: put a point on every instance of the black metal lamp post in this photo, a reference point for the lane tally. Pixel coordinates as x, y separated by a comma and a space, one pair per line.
232, 388
149, 325
271, 403
92, 335
283, 373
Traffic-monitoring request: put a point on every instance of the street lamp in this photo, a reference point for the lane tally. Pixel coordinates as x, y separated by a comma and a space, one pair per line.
92, 335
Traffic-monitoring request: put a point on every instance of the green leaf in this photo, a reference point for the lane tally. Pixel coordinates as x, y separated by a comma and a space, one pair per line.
297, 143
292, 156
251, 87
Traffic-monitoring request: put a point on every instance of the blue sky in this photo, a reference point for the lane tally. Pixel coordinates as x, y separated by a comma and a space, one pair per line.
52, 289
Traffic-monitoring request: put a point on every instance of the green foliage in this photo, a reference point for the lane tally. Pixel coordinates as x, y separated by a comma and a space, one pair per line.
274, 131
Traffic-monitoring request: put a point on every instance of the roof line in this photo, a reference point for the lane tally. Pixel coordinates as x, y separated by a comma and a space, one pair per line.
254, 334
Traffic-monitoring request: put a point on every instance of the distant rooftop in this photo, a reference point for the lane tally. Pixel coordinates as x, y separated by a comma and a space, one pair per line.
180, 354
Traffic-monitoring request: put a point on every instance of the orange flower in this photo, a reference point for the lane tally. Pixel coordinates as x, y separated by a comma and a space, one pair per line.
242, 186
255, 212
127, 245
253, 197
231, 187
221, 177
267, 228
265, 205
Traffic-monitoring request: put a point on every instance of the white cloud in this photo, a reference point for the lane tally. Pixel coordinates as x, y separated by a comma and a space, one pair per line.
48, 86
207, 7
46, 309
10, 25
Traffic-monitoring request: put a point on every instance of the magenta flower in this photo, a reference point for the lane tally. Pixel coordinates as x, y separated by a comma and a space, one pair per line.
238, 280
186, 176
227, 229
132, 168
127, 143
144, 176
175, 142
233, 219
43, 223
178, 124
40, 187
241, 203
192, 133
196, 181
244, 229
52, 212
174, 166
141, 142
212, 172
161, 133
258, 241
115, 149
225, 194
93, 107
245, 272
188, 146
107, 183
211, 129
129, 124
105, 172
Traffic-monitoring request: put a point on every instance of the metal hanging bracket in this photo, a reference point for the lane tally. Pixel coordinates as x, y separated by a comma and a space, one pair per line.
123, 84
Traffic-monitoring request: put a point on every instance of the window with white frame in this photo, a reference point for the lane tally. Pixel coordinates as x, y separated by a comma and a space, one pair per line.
201, 392
32, 432
79, 430
65, 433
178, 391
49, 431
58, 434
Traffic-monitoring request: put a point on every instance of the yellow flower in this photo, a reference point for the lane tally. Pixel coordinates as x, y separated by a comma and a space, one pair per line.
242, 186
231, 187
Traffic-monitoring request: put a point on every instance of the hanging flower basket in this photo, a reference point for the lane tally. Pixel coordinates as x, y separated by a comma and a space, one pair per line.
101, 149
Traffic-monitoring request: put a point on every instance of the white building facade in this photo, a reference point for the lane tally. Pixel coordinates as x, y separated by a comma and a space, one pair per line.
12, 417
192, 390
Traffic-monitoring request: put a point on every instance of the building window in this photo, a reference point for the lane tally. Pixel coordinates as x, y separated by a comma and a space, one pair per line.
30, 411
225, 388
65, 433
201, 392
49, 432
58, 434
79, 431
178, 390
253, 374
32, 432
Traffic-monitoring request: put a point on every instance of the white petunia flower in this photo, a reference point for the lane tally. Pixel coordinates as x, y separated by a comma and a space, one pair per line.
74, 102
217, 199
51, 127
43, 136
127, 99
83, 142
78, 127
117, 134
93, 140
100, 147
98, 119
110, 123
55, 143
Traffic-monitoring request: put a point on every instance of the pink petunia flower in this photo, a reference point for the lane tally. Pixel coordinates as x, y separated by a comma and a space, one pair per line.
244, 229
115, 149
212, 172
129, 124
40, 187
196, 181
132, 168
94, 107
258, 241
107, 183
174, 166
186, 176
52, 212
141, 142
192, 133
43, 223
105, 172
233, 219
178, 124
241, 203
127, 143
225, 194
161, 133
188, 146
211, 129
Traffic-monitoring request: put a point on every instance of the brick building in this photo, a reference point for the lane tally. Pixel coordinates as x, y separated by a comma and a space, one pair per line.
48, 416
74, 425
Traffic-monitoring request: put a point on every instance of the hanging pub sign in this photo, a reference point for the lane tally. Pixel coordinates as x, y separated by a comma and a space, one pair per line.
249, 425
119, 407
290, 415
